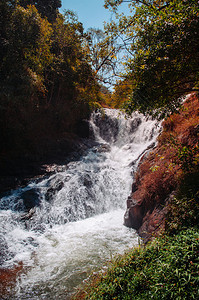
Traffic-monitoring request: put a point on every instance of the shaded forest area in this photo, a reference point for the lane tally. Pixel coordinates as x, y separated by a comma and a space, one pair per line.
47, 85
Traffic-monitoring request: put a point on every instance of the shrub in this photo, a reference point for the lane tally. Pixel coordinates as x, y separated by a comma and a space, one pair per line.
165, 269
183, 209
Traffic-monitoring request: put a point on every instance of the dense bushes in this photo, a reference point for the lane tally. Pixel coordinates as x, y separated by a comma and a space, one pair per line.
183, 209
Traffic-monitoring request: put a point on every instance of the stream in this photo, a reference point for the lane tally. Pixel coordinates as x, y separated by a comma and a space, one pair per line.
67, 225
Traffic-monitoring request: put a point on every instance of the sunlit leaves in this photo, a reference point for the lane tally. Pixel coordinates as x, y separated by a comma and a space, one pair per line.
27, 51
163, 51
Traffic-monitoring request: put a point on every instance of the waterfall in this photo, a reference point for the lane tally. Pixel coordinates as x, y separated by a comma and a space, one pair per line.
70, 223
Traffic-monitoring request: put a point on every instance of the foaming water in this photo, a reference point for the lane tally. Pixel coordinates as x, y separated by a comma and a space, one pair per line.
65, 226
68, 253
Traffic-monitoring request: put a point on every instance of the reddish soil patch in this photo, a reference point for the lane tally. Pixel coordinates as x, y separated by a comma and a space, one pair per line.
8, 279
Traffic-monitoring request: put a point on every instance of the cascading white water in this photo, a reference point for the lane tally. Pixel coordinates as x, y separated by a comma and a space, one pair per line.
74, 219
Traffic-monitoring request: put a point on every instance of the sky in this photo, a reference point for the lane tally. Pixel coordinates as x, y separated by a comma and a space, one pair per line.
90, 12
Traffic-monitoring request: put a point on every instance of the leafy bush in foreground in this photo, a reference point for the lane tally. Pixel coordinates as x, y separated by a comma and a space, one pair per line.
168, 268
183, 209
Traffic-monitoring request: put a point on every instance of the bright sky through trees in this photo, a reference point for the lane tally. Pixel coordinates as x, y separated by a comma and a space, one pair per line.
90, 12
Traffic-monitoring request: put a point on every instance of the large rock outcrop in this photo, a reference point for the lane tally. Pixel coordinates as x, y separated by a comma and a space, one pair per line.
148, 221
161, 171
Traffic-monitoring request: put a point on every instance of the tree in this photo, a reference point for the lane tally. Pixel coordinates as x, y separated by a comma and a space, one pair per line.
47, 84
26, 53
72, 74
122, 89
103, 51
6, 8
163, 42
47, 8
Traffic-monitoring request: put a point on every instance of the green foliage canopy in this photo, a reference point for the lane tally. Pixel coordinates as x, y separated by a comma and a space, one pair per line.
163, 39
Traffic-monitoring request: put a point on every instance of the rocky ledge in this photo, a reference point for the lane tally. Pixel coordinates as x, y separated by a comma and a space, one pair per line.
161, 172
18, 171
148, 221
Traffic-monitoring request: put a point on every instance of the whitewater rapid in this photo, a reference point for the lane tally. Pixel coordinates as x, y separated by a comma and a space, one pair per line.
76, 221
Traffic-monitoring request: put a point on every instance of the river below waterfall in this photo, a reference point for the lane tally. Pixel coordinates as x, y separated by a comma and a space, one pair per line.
69, 224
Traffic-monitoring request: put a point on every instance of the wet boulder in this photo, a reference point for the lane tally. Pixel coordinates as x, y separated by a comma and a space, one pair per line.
55, 185
87, 180
134, 214
53, 190
28, 215
134, 124
30, 198
102, 148
108, 127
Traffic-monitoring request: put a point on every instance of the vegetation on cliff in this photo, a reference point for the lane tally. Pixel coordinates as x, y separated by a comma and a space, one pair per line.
172, 166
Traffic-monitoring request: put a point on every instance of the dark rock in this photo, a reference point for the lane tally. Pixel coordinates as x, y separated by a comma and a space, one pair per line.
134, 124
30, 241
134, 187
147, 219
19, 171
57, 185
83, 129
102, 148
30, 199
28, 215
87, 181
129, 202
134, 214
108, 127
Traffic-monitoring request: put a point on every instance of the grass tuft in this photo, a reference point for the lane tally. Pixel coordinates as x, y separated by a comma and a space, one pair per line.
167, 268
